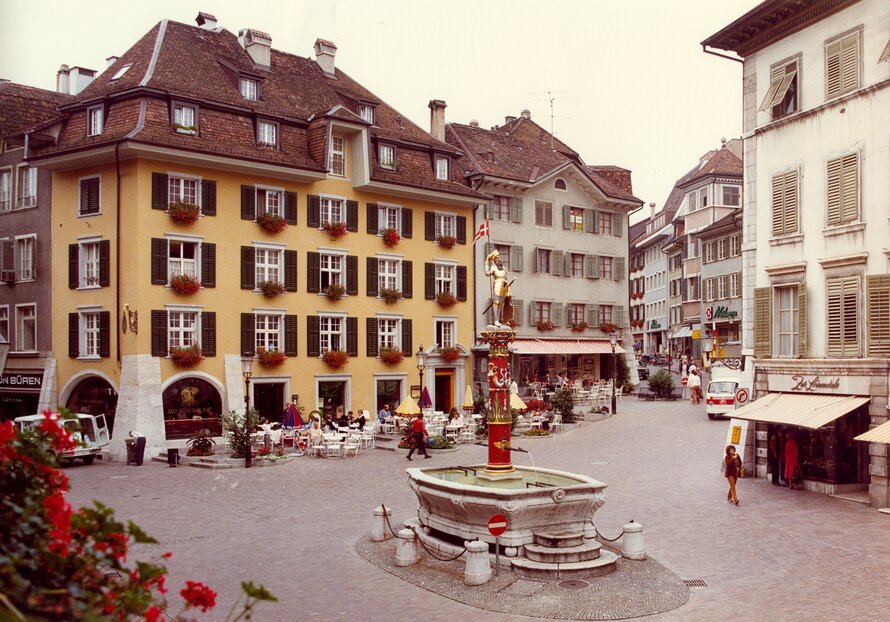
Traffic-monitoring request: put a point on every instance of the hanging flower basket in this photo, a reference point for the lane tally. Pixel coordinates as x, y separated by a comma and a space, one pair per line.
390, 296
270, 358
185, 285
335, 291
446, 241
545, 325
608, 327
183, 213
391, 237
391, 356
271, 223
186, 358
579, 327
271, 289
335, 358
450, 354
445, 299
335, 229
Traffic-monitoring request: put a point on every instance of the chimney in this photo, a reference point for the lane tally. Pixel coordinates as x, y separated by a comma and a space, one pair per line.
111, 60
474, 122
526, 114
509, 119
258, 44
652, 210
437, 119
74, 79
62, 79
206, 21
325, 52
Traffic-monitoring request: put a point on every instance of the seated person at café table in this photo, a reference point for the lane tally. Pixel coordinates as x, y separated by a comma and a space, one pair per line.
384, 414
331, 424
454, 418
342, 419
360, 420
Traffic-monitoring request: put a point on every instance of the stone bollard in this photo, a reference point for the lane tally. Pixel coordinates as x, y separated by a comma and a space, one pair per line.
379, 532
478, 569
406, 551
632, 546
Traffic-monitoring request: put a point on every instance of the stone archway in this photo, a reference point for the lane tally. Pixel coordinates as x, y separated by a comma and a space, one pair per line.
94, 395
191, 404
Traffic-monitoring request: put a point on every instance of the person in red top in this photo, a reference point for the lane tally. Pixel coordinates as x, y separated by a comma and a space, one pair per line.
419, 434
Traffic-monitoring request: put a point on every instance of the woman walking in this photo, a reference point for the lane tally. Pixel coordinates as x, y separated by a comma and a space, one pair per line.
733, 467
694, 384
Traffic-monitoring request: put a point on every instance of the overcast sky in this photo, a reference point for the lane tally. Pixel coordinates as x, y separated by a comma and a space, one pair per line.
631, 84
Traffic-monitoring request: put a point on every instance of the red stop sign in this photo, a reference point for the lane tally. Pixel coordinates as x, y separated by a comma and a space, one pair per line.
497, 524
685, 381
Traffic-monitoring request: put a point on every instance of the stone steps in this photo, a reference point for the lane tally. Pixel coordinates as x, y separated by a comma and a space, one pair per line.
603, 564
559, 539
563, 555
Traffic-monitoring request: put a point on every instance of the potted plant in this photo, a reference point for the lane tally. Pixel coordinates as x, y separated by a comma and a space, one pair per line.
450, 354
335, 358
183, 213
271, 223
545, 325
391, 237
335, 291
390, 296
184, 284
579, 327
200, 444
446, 299
191, 130
608, 327
446, 241
270, 358
391, 356
335, 229
271, 289
186, 357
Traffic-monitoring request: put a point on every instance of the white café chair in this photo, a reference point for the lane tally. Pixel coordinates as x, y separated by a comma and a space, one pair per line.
556, 426
467, 434
332, 445
352, 444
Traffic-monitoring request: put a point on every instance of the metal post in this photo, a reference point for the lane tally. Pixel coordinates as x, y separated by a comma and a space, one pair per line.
497, 555
248, 458
614, 379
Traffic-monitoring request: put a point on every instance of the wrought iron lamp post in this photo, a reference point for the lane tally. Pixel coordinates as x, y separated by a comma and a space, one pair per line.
246, 365
421, 366
613, 341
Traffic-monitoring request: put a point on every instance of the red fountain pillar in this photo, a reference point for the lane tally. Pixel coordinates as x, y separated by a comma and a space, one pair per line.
499, 415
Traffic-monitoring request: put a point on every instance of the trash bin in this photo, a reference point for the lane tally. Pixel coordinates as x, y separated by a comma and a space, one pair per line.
172, 457
139, 450
131, 450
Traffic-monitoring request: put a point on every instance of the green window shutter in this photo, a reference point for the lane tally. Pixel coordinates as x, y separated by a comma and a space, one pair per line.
313, 342
313, 275
371, 217
313, 214
593, 315
879, 315
618, 225
461, 224
566, 217
290, 271
159, 191
159, 333
352, 216
208, 333
516, 209
429, 226
158, 261
208, 264
248, 334
208, 197
372, 280
407, 337
595, 260
595, 217
352, 336
589, 266
73, 335
352, 276
517, 311
802, 320
290, 207
618, 316
762, 322
619, 269
533, 313
407, 279
371, 336
407, 223
248, 203
73, 266
105, 334
248, 269
556, 313
462, 283
556, 263
516, 262
429, 281
290, 335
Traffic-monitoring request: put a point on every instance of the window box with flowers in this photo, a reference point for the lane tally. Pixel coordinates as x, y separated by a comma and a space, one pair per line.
183, 213
608, 327
184, 284
446, 241
545, 325
390, 236
271, 223
270, 358
335, 230
579, 327
450, 354
390, 296
188, 130
336, 359
446, 299
186, 358
335, 291
270, 289
391, 356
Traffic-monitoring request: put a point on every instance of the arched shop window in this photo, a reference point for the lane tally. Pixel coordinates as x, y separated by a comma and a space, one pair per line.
94, 396
190, 405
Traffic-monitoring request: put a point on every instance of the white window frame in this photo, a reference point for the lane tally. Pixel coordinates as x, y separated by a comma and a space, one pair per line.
328, 207
572, 258
88, 336
179, 118
445, 277
735, 246
738, 195
710, 252
171, 272
710, 290
6, 189
178, 194
335, 269
4, 324
389, 338
538, 256
265, 270
606, 218
445, 326
327, 331
120, 72
182, 331
576, 218
24, 257
267, 134
366, 113
264, 333
703, 197
446, 225
389, 217
386, 156
793, 311
501, 208
95, 120
607, 260
19, 319
88, 267
721, 249
722, 287
338, 151
26, 172
442, 168
270, 199
735, 285
249, 88
392, 275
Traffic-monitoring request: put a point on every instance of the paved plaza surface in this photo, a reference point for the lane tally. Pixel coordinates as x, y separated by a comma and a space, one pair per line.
780, 555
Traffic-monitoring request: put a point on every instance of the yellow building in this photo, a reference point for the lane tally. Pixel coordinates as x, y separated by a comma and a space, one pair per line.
176, 169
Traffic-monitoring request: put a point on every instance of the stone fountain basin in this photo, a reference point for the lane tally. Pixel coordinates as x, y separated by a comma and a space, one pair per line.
461, 505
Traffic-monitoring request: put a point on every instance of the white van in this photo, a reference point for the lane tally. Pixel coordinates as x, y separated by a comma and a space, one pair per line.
721, 392
90, 432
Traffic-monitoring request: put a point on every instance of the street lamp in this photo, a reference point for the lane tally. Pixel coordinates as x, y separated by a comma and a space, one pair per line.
246, 365
613, 341
421, 365
707, 346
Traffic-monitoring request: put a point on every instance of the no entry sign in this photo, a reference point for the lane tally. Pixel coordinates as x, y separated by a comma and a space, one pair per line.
497, 524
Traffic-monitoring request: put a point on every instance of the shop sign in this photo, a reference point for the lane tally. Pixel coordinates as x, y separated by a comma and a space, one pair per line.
814, 384
720, 313
654, 324
804, 383
22, 381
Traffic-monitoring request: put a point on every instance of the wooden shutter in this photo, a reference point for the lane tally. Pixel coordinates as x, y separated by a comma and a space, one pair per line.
208, 333
849, 62
850, 184
879, 315
290, 207
429, 281
158, 261
290, 335
533, 313
372, 214
567, 264
371, 336
801, 319
407, 279
516, 260
618, 316
312, 338
159, 191
850, 303
372, 280
763, 322
778, 211
73, 266
290, 271
595, 261
104, 334
158, 333
73, 335
556, 313
248, 267
461, 229
208, 264
556, 259
352, 336
790, 218
7, 260
462, 283
352, 216
248, 203
313, 214
407, 223
518, 309
593, 315
429, 226
835, 191
566, 217
407, 337
248, 334
618, 225
313, 273
589, 267
591, 220
352, 275
208, 197
516, 209
619, 269
85, 196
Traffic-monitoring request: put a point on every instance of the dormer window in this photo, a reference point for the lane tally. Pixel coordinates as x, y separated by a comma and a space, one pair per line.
338, 156
366, 112
387, 155
442, 168
94, 121
267, 134
120, 72
248, 88
560, 184
185, 119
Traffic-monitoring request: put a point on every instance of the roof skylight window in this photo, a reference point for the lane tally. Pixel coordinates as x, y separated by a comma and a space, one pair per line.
120, 72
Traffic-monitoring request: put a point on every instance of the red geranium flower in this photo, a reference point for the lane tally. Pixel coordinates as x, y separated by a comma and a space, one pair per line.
152, 614
196, 594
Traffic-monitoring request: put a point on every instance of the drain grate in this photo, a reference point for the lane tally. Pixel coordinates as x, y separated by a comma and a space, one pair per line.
573, 584
695, 583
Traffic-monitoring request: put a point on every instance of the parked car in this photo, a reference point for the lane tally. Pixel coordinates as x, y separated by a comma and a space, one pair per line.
90, 432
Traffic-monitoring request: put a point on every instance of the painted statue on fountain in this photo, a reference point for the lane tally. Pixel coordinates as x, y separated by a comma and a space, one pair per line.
501, 300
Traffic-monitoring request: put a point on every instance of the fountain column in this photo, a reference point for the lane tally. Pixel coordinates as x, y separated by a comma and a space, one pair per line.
499, 415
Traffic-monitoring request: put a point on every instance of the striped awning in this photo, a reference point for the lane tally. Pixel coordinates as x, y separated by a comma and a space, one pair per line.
880, 434
564, 346
683, 331
805, 410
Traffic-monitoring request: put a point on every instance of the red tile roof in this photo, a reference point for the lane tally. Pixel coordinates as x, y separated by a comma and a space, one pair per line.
23, 107
528, 131
723, 163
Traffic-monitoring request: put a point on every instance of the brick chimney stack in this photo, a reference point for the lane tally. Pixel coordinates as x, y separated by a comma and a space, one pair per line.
437, 119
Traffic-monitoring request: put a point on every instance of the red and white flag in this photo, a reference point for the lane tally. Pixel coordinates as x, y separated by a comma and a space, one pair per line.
483, 231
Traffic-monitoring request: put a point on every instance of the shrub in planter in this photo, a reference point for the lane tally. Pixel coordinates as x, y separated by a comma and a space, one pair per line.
270, 358
545, 325
335, 358
579, 327
185, 285
200, 444
536, 433
183, 213
661, 383
391, 237
239, 437
335, 291
390, 296
271, 223
335, 229
186, 358
446, 241
450, 354
440, 442
608, 327
445, 299
270, 289
391, 356
564, 404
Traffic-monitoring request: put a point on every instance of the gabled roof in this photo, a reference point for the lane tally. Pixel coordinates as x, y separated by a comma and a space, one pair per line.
723, 163
528, 131
23, 107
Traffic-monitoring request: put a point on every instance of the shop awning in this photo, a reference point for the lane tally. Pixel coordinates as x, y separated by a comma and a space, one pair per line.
564, 346
804, 410
683, 331
880, 434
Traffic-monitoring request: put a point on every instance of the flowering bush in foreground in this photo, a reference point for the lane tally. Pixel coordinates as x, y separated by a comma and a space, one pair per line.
58, 563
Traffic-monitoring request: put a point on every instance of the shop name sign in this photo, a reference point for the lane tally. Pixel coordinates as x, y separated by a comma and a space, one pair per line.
814, 384
717, 313
30, 381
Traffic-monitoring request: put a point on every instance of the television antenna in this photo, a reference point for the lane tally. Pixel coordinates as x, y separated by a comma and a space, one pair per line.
550, 97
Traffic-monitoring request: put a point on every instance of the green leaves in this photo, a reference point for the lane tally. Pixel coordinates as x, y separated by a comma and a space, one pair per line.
139, 536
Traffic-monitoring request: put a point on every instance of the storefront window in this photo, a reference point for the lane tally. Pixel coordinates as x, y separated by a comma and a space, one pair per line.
94, 396
191, 405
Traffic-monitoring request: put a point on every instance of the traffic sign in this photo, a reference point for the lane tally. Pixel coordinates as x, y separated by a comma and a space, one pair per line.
741, 396
497, 524
685, 381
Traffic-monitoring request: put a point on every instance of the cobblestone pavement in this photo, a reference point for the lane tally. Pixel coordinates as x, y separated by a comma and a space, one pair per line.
780, 555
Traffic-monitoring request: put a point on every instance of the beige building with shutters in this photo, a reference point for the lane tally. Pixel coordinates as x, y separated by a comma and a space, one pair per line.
816, 265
